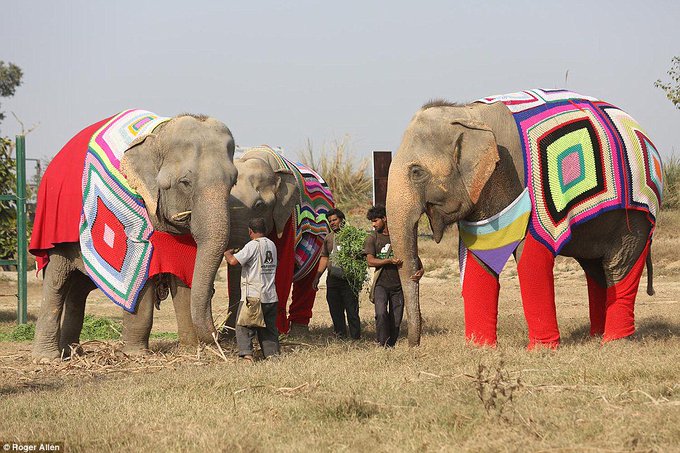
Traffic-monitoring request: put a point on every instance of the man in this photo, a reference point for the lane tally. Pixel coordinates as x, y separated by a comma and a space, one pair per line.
339, 294
258, 261
387, 294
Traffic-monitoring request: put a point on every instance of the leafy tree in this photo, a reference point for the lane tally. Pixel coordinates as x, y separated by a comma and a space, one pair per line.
10, 79
672, 89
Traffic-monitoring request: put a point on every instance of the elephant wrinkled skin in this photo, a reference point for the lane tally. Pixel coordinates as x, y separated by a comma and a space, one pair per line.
465, 162
184, 172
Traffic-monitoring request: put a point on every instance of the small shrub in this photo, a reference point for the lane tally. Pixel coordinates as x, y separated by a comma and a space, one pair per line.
100, 328
671, 183
350, 257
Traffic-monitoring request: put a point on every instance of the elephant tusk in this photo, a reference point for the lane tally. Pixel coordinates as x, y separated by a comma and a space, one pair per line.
181, 216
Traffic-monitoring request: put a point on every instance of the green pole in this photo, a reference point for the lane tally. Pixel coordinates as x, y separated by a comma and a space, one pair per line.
22, 315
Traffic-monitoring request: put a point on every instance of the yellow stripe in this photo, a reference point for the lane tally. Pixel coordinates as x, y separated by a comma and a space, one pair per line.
511, 233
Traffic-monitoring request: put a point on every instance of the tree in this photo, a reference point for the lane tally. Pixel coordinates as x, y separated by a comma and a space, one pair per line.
10, 79
672, 89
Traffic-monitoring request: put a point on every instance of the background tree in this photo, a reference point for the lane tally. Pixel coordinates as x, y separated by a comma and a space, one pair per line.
10, 79
672, 89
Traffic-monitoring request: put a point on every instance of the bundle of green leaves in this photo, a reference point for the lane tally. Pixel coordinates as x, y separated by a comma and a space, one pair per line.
351, 257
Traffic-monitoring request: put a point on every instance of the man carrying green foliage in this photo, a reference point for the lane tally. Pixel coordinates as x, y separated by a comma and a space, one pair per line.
386, 291
341, 254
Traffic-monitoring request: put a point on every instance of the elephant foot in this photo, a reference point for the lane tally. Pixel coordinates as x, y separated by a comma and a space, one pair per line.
537, 345
45, 355
298, 329
136, 350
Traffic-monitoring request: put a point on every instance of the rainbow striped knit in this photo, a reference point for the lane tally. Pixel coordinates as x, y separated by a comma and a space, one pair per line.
582, 157
114, 225
311, 224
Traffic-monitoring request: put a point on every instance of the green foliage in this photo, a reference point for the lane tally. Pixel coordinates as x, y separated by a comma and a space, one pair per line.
671, 183
100, 328
351, 257
349, 181
164, 335
22, 332
10, 79
672, 89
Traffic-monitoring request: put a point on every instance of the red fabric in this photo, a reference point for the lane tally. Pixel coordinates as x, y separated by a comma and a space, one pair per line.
60, 197
620, 318
300, 311
480, 300
173, 255
60, 202
537, 285
597, 302
285, 251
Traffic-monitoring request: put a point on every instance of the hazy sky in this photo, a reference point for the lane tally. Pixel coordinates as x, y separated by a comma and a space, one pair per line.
281, 72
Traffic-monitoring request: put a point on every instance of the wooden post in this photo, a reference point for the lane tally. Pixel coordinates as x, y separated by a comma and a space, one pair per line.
381, 169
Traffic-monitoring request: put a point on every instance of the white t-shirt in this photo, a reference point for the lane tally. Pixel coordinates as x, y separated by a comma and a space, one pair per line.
257, 280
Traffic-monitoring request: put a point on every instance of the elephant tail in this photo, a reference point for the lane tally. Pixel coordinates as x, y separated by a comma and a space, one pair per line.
650, 273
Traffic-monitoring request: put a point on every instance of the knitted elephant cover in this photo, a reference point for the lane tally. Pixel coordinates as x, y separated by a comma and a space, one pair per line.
84, 198
582, 157
311, 223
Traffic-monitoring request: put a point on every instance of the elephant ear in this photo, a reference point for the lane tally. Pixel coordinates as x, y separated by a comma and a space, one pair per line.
287, 196
476, 155
140, 165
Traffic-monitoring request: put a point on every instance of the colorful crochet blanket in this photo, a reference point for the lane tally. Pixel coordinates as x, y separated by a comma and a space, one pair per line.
582, 157
114, 225
493, 240
311, 224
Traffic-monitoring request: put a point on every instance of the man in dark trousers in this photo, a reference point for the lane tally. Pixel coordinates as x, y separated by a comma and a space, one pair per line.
258, 261
387, 294
339, 294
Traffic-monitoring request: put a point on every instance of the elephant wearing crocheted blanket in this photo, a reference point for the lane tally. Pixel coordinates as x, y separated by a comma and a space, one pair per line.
535, 174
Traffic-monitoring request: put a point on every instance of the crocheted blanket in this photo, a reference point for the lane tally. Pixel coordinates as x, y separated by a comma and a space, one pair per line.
582, 157
493, 240
114, 225
311, 223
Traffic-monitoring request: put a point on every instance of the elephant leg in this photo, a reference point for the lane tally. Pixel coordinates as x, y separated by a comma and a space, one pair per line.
48, 327
234, 288
137, 326
537, 285
78, 288
620, 318
480, 301
300, 311
285, 268
597, 294
181, 300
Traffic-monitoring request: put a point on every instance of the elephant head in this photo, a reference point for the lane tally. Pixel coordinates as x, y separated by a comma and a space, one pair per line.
441, 168
184, 171
264, 189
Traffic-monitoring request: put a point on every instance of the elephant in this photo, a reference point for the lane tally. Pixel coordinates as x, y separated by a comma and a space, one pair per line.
538, 173
293, 200
172, 177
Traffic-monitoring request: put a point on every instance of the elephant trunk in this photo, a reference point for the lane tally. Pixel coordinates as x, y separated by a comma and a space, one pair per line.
210, 229
403, 213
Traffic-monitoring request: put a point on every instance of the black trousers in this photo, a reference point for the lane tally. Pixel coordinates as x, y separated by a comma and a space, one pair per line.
389, 309
267, 336
342, 300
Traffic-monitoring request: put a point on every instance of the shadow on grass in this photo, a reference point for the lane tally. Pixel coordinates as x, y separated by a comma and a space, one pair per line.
11, 315
17, 388
656, 329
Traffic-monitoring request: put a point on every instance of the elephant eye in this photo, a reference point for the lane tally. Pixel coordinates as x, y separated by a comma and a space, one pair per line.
418, 173
184, 182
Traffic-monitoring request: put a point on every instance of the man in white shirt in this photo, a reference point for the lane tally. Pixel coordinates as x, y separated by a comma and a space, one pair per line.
258, 262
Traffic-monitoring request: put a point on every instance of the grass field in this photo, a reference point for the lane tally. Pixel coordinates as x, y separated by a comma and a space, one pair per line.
329, 395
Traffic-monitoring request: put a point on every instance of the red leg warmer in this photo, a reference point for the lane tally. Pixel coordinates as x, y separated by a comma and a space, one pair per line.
620, 320
480, 301
300, 311
537, 284
285, 252
597, 301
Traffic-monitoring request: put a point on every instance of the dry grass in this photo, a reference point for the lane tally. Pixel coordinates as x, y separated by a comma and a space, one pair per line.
329, 395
